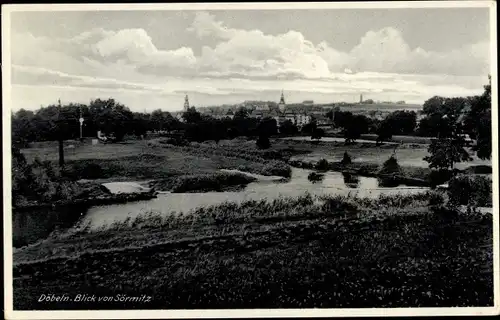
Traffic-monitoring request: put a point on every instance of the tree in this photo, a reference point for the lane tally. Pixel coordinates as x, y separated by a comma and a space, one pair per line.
267, 127
402, 122
218, 130
329, 115
341, 118
478, 122
346, 159
444, 153
354, 127
162, 120
287, 127
449, 148
436, 108
140, 124
317, 134
384, 131
23, 127
241, 113
191, 116
309, 127
263, 142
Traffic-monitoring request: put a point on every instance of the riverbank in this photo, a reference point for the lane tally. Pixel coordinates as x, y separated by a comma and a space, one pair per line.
218, 181
289, 253
89, 194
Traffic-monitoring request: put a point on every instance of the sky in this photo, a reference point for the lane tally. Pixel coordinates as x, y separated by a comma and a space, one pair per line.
152, 59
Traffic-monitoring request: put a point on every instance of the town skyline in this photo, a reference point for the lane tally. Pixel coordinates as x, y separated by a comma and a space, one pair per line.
151, 60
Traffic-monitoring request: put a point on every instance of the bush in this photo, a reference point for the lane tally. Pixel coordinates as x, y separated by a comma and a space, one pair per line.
322, 165
388, 181
277, 168
314, 176
40, 182
210, 182
175, 141
346, 159
437, 177
263, 142
350, 179
436, 199
470, 190
391, 167
479, 169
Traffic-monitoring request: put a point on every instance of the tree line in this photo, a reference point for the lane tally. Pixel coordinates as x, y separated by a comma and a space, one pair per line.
62, 121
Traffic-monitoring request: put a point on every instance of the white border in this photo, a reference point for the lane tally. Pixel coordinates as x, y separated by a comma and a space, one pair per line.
230, 313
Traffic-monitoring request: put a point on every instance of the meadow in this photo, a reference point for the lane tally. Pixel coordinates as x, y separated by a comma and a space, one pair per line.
303, 252
299, 252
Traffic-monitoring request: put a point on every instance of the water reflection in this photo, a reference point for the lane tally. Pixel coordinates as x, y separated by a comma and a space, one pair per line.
350, 180
388, 182
332, 183
31, 226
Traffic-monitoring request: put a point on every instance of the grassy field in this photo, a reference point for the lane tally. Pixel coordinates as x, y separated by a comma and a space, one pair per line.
149, 159
399, 251
289, 253
155, 159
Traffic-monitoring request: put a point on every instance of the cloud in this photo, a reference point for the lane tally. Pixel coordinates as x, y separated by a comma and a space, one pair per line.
253, 53
24, 75
385, 50
243, 63
136, 46
90, 51
249, 53
257, 54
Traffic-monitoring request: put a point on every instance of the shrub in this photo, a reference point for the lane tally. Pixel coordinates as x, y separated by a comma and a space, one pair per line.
437, 177
391, 167
350, 179
470, 190
322, 165
314, 176
388, 181
277, 168
479, 169
210, 182
41, 182
346, 159
175, 141
263, 142
436, 199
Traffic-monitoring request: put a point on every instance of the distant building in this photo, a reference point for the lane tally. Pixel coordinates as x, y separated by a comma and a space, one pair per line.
262, 107
290, 115
230, 114
303, 119
361, 98
282, 104
186, 103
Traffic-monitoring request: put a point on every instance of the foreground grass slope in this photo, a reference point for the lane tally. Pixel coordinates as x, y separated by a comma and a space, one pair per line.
289, 253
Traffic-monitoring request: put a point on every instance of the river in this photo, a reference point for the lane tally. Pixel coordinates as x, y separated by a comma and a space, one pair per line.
29, 226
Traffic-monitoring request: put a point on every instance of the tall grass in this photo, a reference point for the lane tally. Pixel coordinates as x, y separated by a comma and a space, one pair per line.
470, 190
280, 209
217, 181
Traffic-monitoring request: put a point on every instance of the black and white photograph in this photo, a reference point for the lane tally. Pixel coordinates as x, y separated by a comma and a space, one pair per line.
249, 159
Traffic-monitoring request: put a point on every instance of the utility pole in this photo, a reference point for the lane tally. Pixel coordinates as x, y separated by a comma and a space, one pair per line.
61, 145
81, 123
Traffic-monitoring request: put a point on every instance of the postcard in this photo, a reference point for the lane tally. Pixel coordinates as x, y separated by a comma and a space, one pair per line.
195, 160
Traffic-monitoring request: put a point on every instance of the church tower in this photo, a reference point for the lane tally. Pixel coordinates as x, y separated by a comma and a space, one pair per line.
282, 104
186, 103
